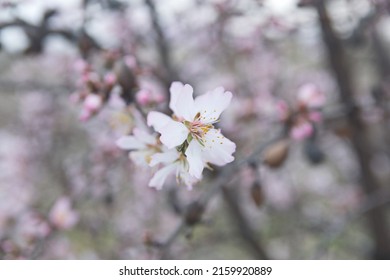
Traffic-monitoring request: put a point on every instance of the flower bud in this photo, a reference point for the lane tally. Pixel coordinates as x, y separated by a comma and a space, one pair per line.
92, 103
62, 215
257, 194
144, 97
276, 154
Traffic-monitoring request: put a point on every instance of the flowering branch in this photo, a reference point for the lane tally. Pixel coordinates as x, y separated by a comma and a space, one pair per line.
221, 183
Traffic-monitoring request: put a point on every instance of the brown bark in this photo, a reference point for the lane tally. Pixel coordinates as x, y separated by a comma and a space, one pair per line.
338, 62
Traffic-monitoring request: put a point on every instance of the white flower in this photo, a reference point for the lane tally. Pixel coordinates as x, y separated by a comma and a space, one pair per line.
191, 129
143, 145
175, 163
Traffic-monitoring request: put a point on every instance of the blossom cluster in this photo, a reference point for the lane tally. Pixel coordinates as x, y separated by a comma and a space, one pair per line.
301, 117
186, 142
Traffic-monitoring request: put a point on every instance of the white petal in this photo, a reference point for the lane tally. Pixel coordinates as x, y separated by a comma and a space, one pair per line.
160, 176
129, 143
187, 179
211, 104
157, 120
144, 137
182, 104
173, 134
194, 158
217, 149
175, 90
166, 157
140, 158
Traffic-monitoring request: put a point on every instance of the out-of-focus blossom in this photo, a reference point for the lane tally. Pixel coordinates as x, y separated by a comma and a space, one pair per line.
283, 110
146, 97
62, 215
191, 129
301, 130
91, 106
311, 96
32, 226
151, 93
92, 103
110, 78
301, 117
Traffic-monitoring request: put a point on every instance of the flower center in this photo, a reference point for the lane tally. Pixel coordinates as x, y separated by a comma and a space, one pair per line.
198, 129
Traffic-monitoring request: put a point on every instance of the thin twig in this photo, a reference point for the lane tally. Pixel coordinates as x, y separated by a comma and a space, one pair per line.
162, 45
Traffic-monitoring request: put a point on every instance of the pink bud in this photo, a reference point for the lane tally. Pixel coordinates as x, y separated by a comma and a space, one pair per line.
62, 216
144, 97
315, 116
301, 131
159, 98
130, 61
80, 65
110, 78
91, 77
311, 96
92, 103
282, 109
85, 115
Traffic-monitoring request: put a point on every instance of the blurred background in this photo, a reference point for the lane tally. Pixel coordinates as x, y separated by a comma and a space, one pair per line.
311, 87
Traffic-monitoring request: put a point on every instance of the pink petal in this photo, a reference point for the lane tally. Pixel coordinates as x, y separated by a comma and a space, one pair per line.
301, 131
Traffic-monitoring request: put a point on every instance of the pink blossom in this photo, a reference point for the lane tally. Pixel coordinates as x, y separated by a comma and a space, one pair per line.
301, 130
283, 110
80, 65
311, 96
85, 115
62, 216
32, 226
131, 61
315, 116
144, 97
110, 79
92, 103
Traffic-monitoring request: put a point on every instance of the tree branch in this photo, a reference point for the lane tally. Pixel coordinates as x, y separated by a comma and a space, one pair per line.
338, 63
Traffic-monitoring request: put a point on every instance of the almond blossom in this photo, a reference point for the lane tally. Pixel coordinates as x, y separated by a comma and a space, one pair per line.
191, 129
142, 145
310, 96
146, 150
175, 163
62, 215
